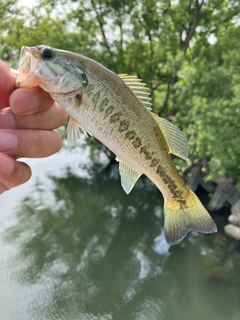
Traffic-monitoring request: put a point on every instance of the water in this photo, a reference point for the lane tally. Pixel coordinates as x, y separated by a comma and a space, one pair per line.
74, 246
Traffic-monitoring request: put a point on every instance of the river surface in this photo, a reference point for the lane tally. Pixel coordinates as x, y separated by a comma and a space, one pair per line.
75, 246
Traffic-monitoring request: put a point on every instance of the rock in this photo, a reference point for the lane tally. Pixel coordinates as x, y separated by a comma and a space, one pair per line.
209, 186
232, 231
195, 177
211, 268
233, 265
225, 192
234, 218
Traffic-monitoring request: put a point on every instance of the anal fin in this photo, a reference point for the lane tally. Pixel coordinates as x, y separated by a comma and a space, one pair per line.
129, 176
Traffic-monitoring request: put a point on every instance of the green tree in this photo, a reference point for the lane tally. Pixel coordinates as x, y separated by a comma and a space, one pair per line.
186, 51
212, 112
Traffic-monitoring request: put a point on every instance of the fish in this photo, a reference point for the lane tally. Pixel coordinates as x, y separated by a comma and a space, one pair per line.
117, 110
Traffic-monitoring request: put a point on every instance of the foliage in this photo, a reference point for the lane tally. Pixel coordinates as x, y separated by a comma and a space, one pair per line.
186, 51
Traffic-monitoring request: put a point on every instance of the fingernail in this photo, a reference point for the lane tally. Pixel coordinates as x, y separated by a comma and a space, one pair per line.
14, 71
37, 100
7, 164
8, 141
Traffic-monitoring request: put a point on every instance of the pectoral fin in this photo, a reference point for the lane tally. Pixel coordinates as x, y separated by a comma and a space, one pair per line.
129, 176
73, 132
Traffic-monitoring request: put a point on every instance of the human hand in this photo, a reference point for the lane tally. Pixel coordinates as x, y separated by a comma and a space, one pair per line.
27, 119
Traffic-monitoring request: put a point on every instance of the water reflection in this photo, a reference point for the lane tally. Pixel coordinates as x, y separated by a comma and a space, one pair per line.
85, 250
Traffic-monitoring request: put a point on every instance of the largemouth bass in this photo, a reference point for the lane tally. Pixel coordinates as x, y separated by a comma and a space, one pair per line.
116, 109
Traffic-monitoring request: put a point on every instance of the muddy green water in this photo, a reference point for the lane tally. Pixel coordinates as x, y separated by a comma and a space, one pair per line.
74, 246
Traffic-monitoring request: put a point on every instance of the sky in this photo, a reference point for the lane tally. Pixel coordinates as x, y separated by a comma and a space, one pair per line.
27, 3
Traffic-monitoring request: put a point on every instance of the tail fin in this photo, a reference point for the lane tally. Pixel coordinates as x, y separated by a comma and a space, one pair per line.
182, 218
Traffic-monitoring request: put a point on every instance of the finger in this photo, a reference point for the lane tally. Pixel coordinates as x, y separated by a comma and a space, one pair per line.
12, 173
30, 143
30, 100
52, 118
7, 79
4, 100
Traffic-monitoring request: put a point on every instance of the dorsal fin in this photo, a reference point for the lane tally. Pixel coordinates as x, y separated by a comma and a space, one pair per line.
138, 87
176, 139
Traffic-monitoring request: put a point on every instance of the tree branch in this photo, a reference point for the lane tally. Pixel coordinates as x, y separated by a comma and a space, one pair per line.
165, 103
191, 30
151, 57
100, 22
223, 21
156, 85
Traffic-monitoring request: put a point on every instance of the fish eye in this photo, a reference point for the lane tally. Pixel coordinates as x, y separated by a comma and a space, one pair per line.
47, 54
84, 78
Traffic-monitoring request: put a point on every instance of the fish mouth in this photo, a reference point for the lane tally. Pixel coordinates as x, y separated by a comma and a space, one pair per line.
25, 59
26, 65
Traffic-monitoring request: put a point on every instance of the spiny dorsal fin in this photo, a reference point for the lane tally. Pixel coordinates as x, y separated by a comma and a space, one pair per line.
129, 176
138, 87
175, 138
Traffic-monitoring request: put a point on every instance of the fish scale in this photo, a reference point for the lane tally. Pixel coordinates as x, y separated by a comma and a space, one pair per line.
116, 109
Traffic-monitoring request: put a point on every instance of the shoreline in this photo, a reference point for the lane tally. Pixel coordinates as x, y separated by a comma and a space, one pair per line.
223, 192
